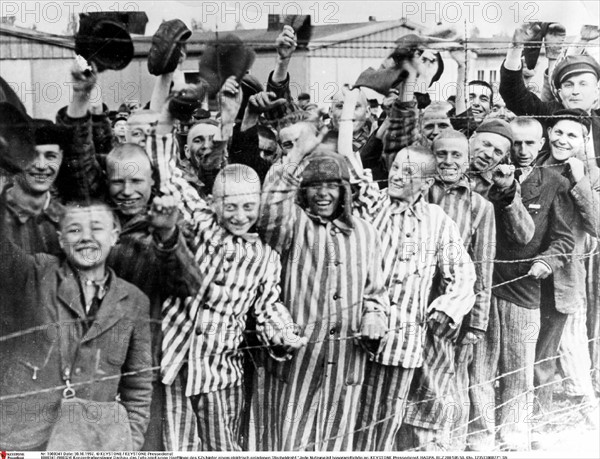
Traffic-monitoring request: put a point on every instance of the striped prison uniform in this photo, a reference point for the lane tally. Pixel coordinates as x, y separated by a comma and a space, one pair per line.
241, 274
420, 243
444, 376
331, 281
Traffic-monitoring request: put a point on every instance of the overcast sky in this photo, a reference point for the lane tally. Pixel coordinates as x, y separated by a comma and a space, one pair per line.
491, 17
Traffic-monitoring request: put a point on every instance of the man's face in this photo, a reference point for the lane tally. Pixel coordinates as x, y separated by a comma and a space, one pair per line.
405, 179
140, 125
40, 173
527, 143
361, 112
323, 198
567, 138
237, 206
579, 91
433, 125
120, 128
87, 235
487, 150
452, 158
201, 143
130, 184
479, 101
294, 135
268, 148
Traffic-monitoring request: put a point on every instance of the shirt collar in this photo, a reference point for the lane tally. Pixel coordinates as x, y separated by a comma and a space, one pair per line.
416, 208
24, 213
463, 182
338, 223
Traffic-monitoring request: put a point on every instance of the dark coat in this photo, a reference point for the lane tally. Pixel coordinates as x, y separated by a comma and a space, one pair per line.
41, 301
545, 195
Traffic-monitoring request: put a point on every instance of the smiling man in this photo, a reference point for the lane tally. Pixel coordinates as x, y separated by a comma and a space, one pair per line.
27, 208
425, 423
568, 137
575, 78
331, 276
414, 235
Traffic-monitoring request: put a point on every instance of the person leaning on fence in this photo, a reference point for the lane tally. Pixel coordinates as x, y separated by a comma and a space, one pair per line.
509, 345
333, 287
415, 236
65, 313
446, 370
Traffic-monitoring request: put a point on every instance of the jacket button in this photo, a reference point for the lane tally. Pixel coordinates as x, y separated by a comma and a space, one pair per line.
332, 331
336, 296
78, 371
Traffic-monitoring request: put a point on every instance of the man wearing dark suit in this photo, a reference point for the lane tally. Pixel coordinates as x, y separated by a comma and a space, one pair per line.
513, 327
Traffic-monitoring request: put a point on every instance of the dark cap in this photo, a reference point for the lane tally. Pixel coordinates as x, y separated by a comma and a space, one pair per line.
496, 126
303, 96
45, 132
573, 65
576, 114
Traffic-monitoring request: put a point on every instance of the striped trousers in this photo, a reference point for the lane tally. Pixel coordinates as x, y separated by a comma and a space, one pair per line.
219, 416
180, 432
508, 348
574, 356
381, 409
429, 399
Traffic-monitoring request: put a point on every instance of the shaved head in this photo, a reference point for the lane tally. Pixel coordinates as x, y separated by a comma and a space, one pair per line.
236, 198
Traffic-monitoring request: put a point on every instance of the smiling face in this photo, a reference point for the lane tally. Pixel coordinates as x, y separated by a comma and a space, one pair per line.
411, 174
323, 198
236, 198
86, 235
579, 91
567, 138
40, 173
451, 156
479, 101
487, 150
129, 180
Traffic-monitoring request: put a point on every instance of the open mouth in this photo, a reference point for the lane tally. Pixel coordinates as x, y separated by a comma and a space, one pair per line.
127, 202
38, 177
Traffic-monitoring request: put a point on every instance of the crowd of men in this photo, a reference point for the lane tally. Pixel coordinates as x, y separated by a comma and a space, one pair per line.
271, 277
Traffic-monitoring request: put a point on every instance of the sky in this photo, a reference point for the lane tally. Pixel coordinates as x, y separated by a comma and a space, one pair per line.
490, 17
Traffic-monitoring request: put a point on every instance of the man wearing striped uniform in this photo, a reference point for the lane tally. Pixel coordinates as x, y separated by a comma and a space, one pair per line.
241, 275
332, 285
419, 242
446, 368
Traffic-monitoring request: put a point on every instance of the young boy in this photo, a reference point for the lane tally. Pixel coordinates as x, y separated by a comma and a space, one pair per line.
241, 275
45, 301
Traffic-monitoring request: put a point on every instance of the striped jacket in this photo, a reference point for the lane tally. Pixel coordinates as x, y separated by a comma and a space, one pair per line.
240, 274
474, 216
418, 241
331, 280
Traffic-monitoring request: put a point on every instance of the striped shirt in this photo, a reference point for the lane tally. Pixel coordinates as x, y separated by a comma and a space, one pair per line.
474, 216
240, 274
331, 280
418, 242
